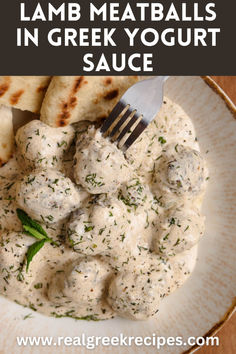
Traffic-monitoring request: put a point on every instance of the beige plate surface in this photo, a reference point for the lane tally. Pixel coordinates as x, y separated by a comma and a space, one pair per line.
208, 297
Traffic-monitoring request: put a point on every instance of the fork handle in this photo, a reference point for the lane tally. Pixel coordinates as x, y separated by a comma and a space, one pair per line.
156, 81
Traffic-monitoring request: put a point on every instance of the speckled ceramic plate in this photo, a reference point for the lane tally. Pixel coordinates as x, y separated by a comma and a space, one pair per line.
207, 299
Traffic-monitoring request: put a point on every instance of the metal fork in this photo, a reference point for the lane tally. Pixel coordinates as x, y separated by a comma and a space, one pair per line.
135, 110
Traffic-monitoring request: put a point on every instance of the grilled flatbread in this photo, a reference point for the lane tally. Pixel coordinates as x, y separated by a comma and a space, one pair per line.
23, 92
71, 99
6, 134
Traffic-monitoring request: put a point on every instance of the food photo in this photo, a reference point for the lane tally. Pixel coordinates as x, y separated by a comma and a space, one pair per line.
117, 212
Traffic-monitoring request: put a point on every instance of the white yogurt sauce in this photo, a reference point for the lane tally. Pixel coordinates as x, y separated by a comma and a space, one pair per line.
126, 227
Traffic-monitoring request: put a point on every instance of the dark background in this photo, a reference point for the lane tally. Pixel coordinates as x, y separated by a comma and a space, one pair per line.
47, 60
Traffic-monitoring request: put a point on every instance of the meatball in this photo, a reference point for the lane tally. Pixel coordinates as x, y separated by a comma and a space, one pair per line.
14, 246
180, 230
96, 228
83, 283
100, 167
137, 296
134, 193
181, 171
42, 146
8, 216
182, 266
170, 126
47, 195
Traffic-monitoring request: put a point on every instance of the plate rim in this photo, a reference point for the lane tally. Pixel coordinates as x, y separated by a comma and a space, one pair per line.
232, 309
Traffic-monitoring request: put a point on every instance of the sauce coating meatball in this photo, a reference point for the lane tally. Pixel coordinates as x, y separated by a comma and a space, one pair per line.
98, 227
181, 170
134, 193
137, 296
100, 167
180, 229
83, 283
14, 246
42, 146
47, 195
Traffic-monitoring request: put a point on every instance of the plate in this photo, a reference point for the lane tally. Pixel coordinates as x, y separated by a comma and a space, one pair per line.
207, 299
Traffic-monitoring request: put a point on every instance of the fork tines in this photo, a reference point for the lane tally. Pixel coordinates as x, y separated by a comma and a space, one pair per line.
120, 115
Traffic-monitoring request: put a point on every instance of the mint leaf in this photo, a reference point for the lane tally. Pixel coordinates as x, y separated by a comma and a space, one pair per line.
33, 232
32, 228
32, 251
26, 220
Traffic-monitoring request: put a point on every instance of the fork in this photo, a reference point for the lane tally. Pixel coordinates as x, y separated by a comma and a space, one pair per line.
136, 109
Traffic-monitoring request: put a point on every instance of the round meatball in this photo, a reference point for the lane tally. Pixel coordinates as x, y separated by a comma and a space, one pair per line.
95, 229
47, 195
134, 193
100, 167
13, 275
181, 171
83, 283
137, 296
180, 230
42, 146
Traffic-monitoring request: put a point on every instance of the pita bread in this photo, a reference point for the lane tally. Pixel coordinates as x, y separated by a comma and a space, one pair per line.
6, 134
71, 99
23, 92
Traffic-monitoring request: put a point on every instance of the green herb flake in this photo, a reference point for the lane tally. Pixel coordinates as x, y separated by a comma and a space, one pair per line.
27, 316
38, 286
88, 228
161, 140
177, 242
